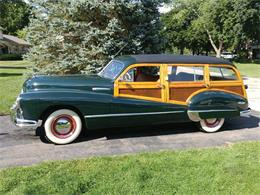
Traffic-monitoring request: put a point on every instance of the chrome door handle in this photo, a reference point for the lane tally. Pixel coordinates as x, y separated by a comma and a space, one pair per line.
207, 86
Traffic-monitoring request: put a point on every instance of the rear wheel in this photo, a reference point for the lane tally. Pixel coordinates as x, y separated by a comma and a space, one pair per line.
62, 126
211, 125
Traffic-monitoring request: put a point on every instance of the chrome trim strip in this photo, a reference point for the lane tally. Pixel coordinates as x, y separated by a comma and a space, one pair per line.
131, 114
245, 113
100, 89
227, 110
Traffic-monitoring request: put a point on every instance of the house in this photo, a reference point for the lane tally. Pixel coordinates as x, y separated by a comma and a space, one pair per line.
12, 45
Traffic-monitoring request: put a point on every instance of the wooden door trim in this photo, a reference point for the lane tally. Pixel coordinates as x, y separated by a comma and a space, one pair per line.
140, 85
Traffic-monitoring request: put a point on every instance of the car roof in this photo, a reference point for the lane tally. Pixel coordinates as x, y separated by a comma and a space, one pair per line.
170, 59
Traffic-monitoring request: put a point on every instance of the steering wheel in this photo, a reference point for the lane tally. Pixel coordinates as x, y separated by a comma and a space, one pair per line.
127, 77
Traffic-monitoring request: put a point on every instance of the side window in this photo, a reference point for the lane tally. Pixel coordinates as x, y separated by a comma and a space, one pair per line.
185, 73
222, 74
142, 74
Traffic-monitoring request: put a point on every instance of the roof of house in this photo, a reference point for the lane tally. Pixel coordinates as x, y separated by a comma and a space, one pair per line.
15, 40
171, 59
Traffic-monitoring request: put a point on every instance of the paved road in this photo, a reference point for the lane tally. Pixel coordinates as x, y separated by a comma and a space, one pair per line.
19, 147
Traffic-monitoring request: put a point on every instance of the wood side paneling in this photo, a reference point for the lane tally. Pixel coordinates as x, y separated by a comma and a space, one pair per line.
234, 89
156, 93
182, 94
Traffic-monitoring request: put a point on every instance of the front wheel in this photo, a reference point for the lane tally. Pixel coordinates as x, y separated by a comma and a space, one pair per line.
211, 125
62, 126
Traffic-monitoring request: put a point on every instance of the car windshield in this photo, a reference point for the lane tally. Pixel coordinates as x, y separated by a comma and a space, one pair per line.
112, 70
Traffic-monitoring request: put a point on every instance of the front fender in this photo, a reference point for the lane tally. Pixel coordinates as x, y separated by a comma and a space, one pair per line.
216, 104
33, 104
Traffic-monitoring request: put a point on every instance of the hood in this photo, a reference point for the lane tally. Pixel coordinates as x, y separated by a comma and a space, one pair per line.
68, 82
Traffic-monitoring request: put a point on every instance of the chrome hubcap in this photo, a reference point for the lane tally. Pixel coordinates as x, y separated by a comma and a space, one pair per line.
63, 126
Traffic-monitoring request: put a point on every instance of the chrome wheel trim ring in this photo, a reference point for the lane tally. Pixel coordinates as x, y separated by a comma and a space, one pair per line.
63, 126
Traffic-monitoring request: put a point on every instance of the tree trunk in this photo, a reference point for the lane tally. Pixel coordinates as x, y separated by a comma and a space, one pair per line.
216, 49
181, 51
218, 53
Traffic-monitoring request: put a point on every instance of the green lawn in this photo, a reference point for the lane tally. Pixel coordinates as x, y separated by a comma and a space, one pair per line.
11, 80
249, 69
15, 63
234, 169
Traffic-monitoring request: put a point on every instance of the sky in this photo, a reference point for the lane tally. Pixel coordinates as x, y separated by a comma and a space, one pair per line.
164, 9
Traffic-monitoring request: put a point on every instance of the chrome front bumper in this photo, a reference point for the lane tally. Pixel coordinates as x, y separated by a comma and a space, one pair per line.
18, 119
245, 113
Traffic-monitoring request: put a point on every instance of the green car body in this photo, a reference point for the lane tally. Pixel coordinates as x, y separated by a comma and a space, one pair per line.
92, 97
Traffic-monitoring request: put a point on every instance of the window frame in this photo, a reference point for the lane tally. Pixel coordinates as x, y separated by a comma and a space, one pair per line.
140, 65
188, 65
237, 74
122, 75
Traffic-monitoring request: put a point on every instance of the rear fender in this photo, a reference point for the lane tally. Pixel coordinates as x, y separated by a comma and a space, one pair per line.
215, 104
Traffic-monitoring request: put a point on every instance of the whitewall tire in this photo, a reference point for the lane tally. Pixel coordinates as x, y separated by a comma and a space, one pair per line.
62, 126
211, 125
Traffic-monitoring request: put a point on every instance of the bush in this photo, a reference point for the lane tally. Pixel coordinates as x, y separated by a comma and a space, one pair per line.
6, 57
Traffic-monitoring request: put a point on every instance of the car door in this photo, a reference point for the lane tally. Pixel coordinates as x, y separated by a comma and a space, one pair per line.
184, 81
141, 81
140, 96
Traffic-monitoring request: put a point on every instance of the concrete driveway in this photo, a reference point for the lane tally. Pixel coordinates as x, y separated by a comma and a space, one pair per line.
20, 147
253, 92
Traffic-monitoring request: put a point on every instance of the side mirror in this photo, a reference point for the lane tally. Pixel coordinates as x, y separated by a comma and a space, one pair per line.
246, 86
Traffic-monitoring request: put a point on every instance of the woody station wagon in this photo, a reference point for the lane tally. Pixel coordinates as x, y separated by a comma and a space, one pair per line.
134, 90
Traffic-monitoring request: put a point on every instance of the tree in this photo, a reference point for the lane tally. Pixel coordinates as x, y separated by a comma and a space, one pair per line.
180, 30
81, 36
176, 25
247, 20
14, 15
227, 23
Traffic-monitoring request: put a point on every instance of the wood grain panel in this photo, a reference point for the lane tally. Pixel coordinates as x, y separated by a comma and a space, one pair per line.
234, 89
156, 93
182, 94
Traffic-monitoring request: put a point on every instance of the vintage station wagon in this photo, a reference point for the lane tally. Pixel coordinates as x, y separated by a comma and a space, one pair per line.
134, 90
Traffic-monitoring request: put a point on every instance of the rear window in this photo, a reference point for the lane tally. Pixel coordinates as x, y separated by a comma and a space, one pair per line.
222, 74
185, 73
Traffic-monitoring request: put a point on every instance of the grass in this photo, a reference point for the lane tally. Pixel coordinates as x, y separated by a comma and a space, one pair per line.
234, 169
15, 63
11, 80
11, 83
249, 69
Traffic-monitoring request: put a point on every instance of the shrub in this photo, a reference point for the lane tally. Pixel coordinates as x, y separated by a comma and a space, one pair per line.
81, 36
